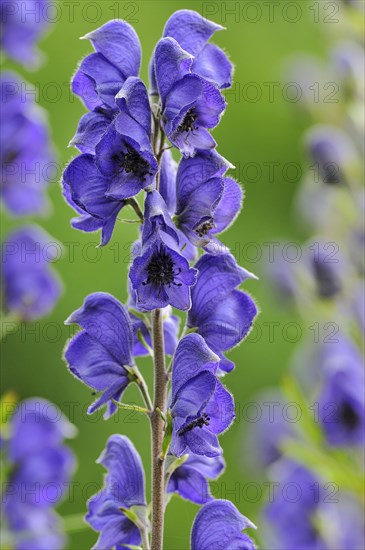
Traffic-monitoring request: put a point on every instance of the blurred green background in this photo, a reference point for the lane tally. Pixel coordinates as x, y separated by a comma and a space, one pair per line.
258, 132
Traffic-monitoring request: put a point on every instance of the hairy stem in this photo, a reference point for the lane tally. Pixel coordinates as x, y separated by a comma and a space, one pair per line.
157, 429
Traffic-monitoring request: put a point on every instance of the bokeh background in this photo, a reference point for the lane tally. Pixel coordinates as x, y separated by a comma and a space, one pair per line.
257, 131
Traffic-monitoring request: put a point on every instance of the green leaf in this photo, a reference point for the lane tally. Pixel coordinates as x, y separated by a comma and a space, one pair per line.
128, 407
168, 435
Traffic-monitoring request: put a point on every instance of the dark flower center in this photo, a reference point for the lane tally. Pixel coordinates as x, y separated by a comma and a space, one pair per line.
189, 119
328, 284
161, 270
348, 416
197, 423
132, 162
204, 228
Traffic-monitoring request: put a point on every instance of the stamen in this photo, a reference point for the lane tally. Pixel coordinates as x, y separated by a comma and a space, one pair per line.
161, 270
132, 162
187, 124
198, 423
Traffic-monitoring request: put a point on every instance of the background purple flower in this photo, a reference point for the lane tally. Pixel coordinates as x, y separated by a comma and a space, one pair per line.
100, 353
341, 397
219, 525
221, 314
41, 468
27, 161
124, 487
22, 24
31, 288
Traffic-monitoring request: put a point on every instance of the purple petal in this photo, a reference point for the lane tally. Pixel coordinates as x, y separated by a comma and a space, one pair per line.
125, 477
93, 364
218, 276
106, 320
133, 100
118, 42
191, 485
171, 64
91, 129
229, 206
213, 65
168, 181
191, 30
192, 356
220, 523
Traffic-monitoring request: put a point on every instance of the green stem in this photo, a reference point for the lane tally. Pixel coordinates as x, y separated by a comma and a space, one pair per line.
157, 429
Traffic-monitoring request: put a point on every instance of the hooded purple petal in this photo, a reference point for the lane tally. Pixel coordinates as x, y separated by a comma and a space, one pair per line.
191, 30
124, 487
219, 525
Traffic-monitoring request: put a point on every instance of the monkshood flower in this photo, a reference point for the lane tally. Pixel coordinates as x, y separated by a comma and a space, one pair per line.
84, 188
272, 429
31, 287
348, 60
101, 75
222, 314
192, 31
100, 355
207, 202
160, 274
124, 153
190, 104
22, 24
124, 489
332, 152
201, 408
219, 525
291, 517
171, 324
98, 186
26, 158
41, 468
190, 480
341, 400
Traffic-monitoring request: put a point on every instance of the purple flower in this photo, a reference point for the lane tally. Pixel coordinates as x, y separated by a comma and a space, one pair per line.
41, 469
160, 275
332, 152
124, 489
207, 202
85, 189
291, 512
22, 24
101, 75
201, 408
341, 399
219, 312
190, 480
124, 154
101, 353
190, 104
31, 286
219, 525
269, 432
192, 31
26, 160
